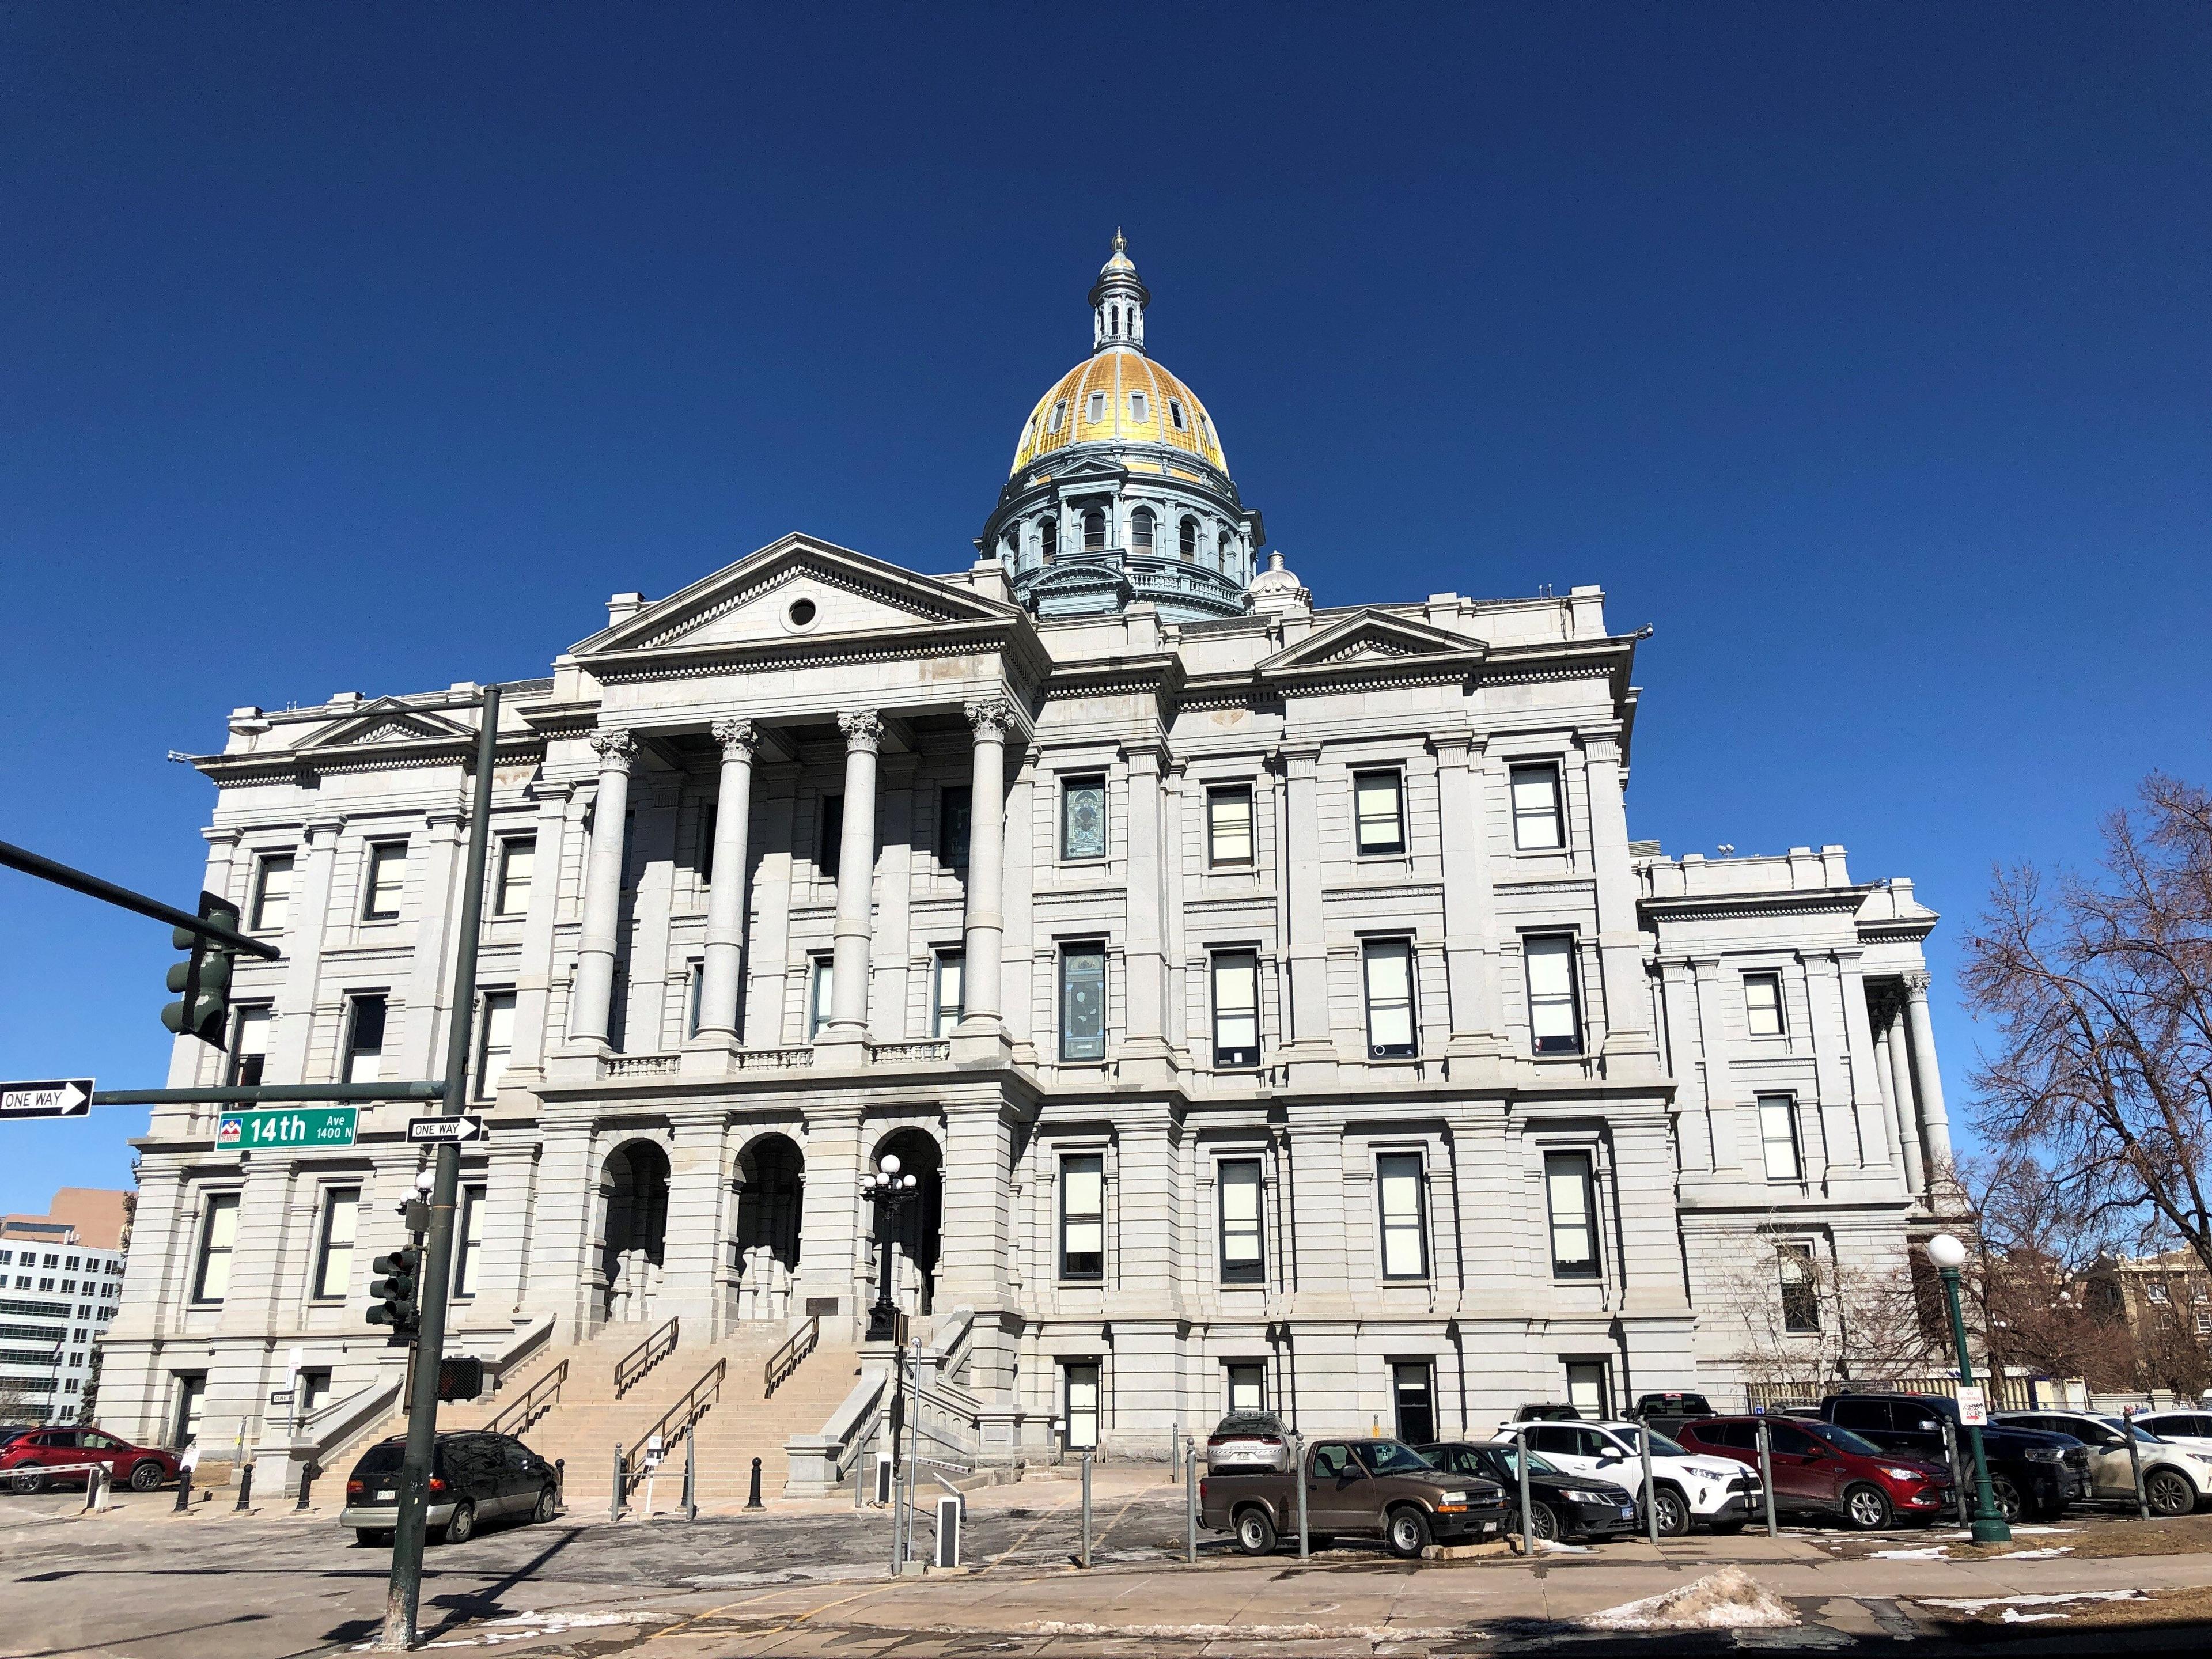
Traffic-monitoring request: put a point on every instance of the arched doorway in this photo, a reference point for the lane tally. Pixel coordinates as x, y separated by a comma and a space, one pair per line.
771, 1189
915, 1235
636, 1189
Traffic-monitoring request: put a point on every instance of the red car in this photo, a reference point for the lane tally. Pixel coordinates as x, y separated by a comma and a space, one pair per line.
1821, 1469
26, 1459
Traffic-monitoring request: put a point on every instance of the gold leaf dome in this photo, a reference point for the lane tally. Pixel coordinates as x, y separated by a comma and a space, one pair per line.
1119, 396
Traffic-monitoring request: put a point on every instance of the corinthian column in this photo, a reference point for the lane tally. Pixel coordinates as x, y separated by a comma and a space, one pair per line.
856, 859
986, 849
595, 959
726, 893
1933, 1119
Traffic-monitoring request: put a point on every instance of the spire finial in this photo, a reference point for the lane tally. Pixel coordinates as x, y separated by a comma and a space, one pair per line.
1120, 245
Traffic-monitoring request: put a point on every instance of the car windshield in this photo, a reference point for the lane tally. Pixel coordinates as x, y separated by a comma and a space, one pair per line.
1391, 1457
1509, 1456
1662, 1446
1841, 1439
2120, 1426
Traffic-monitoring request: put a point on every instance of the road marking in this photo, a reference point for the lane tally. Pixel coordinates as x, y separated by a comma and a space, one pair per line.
1026, 1536
1116, 1520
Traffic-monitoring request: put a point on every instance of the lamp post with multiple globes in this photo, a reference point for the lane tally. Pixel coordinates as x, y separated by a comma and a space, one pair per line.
1949, 1255
890, 1192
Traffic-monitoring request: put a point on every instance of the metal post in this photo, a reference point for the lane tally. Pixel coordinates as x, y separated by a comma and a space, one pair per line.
1521, 1463
615, 1504
1175, 1446
245, 1490
184, 1488
308, 1471
1298, 1471
402, 1599
1767, 1473
2135, 1459
1190, 1502
1086, 1508
691, 1475
95, 1488
912, 1458
1987, 1526
1951, 1455
1650, 1489
752, 1499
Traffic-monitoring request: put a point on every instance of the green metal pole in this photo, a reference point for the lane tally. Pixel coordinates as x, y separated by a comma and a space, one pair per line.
403, 1599
1987, 1526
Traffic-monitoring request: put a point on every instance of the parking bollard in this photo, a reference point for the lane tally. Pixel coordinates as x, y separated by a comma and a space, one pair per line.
245, 1490
1175, 1450
1767, 1473
184, 1488
615, 1503
691, 1477
95, 1489
1086, 1509
308, 1471
1190, 1502
1298, 1476
2135, 1460
1650, 1490
1959, 1482
560, 1482
752, 1498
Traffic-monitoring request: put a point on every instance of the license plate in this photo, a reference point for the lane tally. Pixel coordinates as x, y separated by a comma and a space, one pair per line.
386, 1497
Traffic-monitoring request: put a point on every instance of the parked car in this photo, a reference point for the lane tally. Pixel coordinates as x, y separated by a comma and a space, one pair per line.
1820, 1469
1712, 1490
1560, 1505
2174, 1479
474, 1478
1672, 1405
2190, 1430
37, 1458
1541, 1413
2032, 1474
1248, 1440
1372, 1488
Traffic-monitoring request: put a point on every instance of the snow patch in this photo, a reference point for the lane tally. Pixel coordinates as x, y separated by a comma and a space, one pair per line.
2011, 1603
1245, 1632
1730, 1599
1932, 1552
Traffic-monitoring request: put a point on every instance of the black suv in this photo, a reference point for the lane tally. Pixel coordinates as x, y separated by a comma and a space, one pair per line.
474, 1477
2032, 1474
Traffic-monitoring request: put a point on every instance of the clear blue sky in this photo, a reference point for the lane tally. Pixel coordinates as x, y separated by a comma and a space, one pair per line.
1862, 351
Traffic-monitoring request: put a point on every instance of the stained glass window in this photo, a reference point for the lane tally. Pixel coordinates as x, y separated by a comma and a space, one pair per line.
1083, 1002
1083, 818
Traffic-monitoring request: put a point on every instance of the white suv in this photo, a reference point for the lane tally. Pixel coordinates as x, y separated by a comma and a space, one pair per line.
2175, 1479
1718, 1491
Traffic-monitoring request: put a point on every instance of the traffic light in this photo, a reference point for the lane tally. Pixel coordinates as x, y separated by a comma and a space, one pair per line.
461, 1378
203, 1010
395, 1292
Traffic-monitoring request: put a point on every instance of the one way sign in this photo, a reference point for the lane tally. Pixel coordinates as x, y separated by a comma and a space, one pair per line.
466, 1127
68, 1097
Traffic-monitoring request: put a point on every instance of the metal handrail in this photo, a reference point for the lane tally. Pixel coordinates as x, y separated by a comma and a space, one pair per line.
643, 1358
536, 1401
688, 1410
786, 1359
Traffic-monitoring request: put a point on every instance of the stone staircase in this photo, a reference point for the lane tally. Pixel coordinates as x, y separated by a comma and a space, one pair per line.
740, 1421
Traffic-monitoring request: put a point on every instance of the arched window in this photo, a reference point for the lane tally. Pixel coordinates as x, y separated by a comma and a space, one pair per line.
1094, 531
1189, 539
1140, 529
1049, 534
1222, 548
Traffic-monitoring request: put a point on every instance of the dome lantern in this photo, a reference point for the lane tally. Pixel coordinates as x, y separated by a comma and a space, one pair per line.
1118, 299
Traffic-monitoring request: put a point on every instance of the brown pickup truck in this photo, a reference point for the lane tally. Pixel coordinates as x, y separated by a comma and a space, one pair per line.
1374, 1488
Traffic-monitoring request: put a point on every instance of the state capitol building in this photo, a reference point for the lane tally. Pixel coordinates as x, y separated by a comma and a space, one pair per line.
1269, 1001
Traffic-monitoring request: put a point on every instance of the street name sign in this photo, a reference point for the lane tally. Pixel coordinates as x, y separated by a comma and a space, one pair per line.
304, 1125
466, 1127
65, 1097
1973, 1408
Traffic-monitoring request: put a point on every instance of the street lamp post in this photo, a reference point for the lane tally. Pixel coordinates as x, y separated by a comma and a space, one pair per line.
1987, 1526
890, 1192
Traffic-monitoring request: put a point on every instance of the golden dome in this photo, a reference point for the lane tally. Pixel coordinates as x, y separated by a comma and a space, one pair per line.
1119, 396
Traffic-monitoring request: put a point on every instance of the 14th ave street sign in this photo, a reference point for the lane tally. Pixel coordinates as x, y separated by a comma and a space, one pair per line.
310, 1125
65, 1097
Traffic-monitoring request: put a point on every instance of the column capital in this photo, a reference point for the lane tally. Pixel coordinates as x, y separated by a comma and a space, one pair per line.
1602, 746
615, 749
740, 739
223, 837
1916, 985
991, 717
863, 729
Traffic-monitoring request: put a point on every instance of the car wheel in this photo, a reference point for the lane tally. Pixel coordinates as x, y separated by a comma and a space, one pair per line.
27, 1482
1406, 1534
146, 1477
372, 1537
2168, 1493
549, 1506
462, 1527
1543, 1521
1255, 1533
2010, 1503
1867, 1508
1673, 1513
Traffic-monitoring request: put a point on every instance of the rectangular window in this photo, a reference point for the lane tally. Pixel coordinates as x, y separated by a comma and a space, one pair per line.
694, 984
1082, 1216
364, 1049
249, 1048
1378, 799
946, 1003
1083, 1002
1228, 826
1236, 1008
218, 1239
1762, 1005
468, 1242
710, 818
954, 808
1801, 1290
1247, 1385
1777, 1137
1405, 1220
387, 878
1572, 1193
496, 1043
272, 895
311, 1392
829, 837
1537, 824
1555, 1020
1083, 818
518, 861
820, 987
1243, 1261
1082, 1384
334, 1256
1387, 965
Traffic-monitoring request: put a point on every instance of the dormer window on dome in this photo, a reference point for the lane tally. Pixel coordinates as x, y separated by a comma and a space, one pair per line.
1175, 414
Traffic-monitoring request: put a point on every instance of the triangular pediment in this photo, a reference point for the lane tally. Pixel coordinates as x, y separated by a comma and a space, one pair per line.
388, 719
756, 602
1372, 638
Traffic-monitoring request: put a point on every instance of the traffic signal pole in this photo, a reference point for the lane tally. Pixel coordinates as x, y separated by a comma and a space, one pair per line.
404, 1597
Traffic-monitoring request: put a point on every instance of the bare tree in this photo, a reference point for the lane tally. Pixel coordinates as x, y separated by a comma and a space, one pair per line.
2101, 993
1797, 1317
